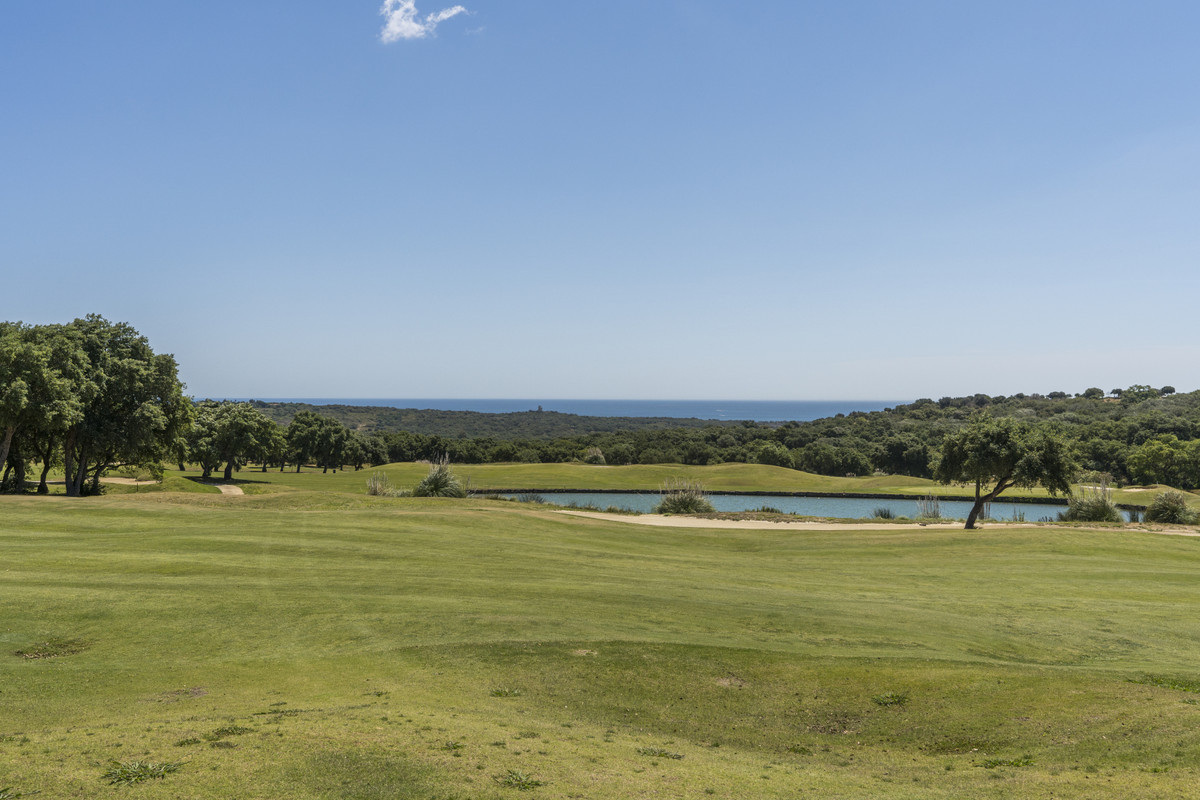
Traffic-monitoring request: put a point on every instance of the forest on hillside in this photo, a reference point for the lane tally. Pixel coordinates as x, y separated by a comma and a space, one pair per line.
1139, 434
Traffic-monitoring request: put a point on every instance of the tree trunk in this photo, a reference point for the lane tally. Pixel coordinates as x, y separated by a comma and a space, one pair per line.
6, 445
983, 499
297, 467
264, 469
229, 470
96, 479
43, 487
73, 484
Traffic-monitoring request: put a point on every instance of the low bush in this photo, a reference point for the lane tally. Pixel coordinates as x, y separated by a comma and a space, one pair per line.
883, 512
1171, 508
683, 496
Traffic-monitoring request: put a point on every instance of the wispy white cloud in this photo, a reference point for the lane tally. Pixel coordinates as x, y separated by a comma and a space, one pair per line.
401, 20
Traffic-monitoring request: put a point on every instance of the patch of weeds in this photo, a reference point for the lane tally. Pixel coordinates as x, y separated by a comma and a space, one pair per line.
505, 692
453, 745
499, 744
181, 694
222, 744
54, 648
226, 732
9, 793
799, 750
658, 752
992, 763
515, 779
1165, 682
890, 699
284, 712
125, 773
528, 735
191, 740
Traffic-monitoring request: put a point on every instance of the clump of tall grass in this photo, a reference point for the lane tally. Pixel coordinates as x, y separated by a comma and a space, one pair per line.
1092, 504
929, 507
124, 773
1171, 508
683, 496
440, 482
379, 485
883, 512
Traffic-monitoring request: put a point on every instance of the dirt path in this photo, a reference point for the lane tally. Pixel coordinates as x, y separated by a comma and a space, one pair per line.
665, 521
662, 521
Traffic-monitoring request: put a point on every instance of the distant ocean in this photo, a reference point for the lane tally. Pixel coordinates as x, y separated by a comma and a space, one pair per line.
756, 410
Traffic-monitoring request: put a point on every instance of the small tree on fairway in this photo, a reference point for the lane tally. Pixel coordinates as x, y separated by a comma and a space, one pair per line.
1003, 453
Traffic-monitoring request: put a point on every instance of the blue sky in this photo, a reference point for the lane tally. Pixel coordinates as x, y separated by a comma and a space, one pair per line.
653, 199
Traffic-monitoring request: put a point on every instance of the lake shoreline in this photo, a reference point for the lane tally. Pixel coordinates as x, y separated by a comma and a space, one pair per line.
1045, 501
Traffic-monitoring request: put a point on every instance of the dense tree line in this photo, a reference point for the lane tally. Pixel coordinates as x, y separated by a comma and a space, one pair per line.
90, 396
519, 425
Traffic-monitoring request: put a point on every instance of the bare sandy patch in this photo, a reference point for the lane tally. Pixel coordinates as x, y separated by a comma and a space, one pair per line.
670, 521
229, 489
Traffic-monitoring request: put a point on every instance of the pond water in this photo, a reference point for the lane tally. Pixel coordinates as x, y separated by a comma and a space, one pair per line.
838, 507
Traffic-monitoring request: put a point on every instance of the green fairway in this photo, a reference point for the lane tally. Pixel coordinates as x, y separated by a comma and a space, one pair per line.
310, 644
650, 477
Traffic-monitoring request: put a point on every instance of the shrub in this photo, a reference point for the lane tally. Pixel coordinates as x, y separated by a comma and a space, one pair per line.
883, 512
683, 496
1171, 508
440, 482
594, 455
1092, 504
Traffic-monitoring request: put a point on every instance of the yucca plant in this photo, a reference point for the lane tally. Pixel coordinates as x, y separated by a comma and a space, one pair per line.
929, 507
440, 482
1092, 504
